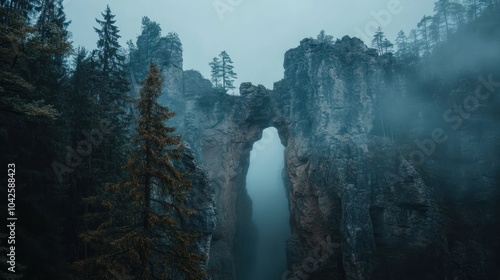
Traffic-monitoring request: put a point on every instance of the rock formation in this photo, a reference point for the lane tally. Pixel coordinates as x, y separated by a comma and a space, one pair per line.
362, 206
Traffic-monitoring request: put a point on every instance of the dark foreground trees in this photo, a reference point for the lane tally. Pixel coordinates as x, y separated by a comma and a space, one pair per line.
141, 235
34, 43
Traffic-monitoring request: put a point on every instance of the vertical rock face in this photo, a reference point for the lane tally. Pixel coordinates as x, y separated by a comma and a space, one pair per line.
221, 130
200, 199
386, 213
338, 191
360, 208
329, 101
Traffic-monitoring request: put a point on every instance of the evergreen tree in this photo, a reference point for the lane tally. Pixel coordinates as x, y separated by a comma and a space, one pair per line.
82, 114
222, 72
323, 38
387, 46
112, 91
16, 89
169, 50
33, 47
146, 44
402, 44
215, 67
472, 7
424, 30
414, 43
152, 47
442, 10
142, 234
24, 7
227, 73
108, 45
51, 43
378, 41
435, 31
488, 3
149, 38
457, 14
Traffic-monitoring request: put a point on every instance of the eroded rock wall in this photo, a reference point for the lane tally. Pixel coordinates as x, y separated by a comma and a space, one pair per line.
338, 191
360, 208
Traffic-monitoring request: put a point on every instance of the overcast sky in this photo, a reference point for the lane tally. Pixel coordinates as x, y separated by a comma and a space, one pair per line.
255, 33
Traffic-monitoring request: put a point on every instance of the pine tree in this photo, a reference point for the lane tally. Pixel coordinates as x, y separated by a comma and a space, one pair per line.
33, 48
51, 43
112, 91
472, 9
402, 44
387, 46
457, 14
82, 115
323, 38
152, 47
435, 31
414, 43
16, 89
424, 30
146, 44
215, 66
20, 53
108, 46
142, 235
378, 41
169, 50
222, 71
442, 10
24, 7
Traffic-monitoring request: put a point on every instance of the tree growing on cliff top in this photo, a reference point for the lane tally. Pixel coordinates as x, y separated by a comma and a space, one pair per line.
378, 39
381, 43
323, 38
222, 72
142, 235
141, 53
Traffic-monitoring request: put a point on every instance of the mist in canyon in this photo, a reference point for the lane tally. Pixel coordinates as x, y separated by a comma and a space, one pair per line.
270, 212
386, 164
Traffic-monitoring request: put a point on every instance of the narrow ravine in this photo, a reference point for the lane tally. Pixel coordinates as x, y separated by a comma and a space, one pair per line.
270, 211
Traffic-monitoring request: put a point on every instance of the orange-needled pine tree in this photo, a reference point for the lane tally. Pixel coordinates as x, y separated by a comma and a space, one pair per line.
142, 235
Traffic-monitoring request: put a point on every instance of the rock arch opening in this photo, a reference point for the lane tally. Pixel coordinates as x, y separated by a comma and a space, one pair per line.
270, 209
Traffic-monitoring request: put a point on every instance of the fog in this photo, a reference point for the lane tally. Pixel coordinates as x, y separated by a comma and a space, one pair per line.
410, 145
256, 34
270, 205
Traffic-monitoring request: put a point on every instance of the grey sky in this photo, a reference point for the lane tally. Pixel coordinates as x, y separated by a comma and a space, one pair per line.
255, 33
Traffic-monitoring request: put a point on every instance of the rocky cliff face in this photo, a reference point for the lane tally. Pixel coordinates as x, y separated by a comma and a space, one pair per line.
362, 205
337, 168
201, 199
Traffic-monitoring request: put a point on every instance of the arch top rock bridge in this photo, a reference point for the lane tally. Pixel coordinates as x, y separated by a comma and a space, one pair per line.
329, 110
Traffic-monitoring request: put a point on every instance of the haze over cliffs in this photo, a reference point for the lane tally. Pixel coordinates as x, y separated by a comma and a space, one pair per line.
382, 181
385, 163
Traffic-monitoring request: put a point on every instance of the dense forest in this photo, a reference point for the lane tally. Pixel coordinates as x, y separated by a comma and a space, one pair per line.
92, 145
69, 127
